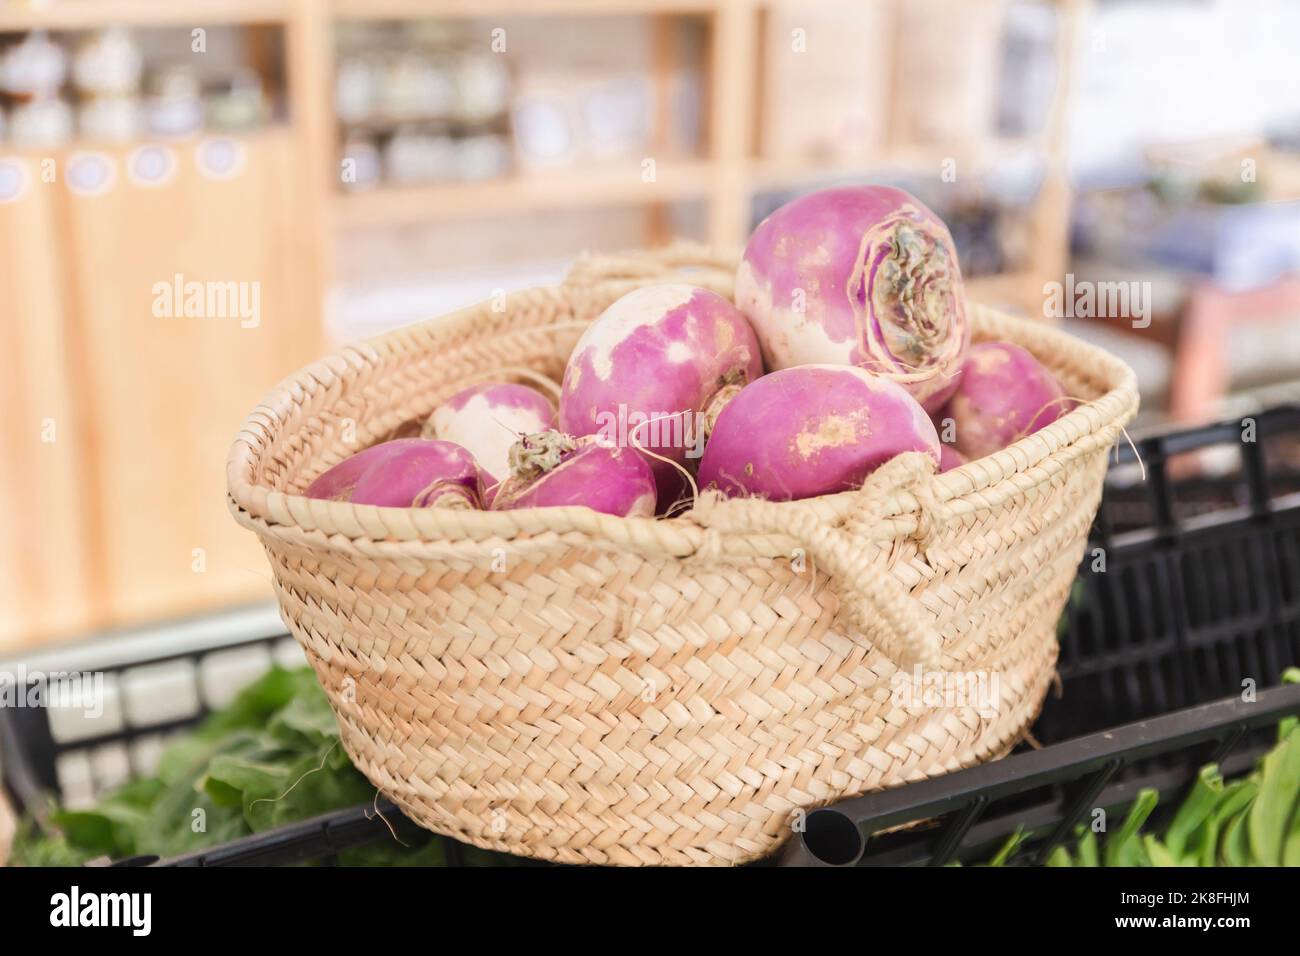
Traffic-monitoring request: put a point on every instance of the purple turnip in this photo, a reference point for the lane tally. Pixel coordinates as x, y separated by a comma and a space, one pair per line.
404, 473
653, 372
551, 469
812, 430
1005, 394
858, 275
487, 419
950, 458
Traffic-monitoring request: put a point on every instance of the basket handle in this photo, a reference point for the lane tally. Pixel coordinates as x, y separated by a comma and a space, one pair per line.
680, 262
876, 603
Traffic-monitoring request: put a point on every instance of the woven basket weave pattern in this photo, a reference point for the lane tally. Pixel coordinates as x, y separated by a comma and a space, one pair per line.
581, 688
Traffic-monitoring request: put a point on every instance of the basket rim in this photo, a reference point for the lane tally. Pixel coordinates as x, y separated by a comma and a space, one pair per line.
977, 484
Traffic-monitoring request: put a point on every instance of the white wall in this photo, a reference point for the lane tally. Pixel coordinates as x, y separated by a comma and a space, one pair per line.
1165, 71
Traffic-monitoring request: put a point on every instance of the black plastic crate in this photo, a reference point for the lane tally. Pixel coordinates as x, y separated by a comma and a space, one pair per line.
1169, 616
30, 744
31, 750
1154, 649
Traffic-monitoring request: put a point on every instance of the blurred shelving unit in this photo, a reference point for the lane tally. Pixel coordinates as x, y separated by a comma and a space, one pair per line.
731, 171
420, 9
726, 176
91, 14
118, 542
606, 185
119, 418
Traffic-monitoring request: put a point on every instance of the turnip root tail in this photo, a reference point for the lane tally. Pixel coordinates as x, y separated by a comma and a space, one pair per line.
709, 417
876, 603
682, 469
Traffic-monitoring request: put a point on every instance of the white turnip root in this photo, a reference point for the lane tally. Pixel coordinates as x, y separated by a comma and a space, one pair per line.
812, 430
858, 275
654, 370
404, 473
487, 419
1004, 395
551, 469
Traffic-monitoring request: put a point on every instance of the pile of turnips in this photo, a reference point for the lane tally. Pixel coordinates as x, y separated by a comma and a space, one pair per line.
849, 299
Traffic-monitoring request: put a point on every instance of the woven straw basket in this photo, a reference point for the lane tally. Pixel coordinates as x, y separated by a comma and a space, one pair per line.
581, 688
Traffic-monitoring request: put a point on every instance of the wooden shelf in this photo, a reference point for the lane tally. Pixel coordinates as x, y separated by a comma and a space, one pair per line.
774, 174
430, 9
273, 130
92, 14
612, 185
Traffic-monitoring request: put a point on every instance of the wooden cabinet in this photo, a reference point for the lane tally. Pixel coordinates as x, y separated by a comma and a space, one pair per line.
154, 314
46, 576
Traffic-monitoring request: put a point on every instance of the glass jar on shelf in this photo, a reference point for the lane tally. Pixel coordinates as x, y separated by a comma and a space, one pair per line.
417, 85
482, 87
415, 156
33, 69
45, 122
482, 156
356, 87
109, 119
239, 103
108, 64
174, 106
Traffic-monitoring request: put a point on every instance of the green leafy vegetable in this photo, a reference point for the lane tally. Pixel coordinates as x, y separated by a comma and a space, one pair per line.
1272, 809
1121, 848
273, 756
1251, 821
1195, 810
